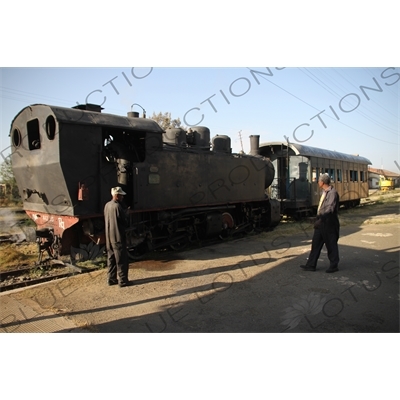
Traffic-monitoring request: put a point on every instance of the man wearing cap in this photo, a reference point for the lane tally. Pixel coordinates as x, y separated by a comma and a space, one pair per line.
116, 223
326, 227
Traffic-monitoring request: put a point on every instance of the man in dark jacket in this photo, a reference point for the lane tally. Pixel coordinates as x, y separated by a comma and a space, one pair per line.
326, 227
116, 223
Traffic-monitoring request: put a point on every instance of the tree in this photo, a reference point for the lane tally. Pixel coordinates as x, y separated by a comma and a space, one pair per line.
8, 181
165, 120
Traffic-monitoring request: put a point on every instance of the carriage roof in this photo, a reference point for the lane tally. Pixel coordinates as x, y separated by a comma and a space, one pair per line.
308, 151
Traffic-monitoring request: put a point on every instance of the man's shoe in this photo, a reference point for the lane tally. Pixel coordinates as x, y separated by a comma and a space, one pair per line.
124, 283
112, 282
332, 269
308, 268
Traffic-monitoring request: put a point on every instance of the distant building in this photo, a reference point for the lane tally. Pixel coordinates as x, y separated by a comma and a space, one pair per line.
374, 175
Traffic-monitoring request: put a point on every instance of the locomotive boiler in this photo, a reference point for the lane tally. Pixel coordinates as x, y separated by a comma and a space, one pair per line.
181, 185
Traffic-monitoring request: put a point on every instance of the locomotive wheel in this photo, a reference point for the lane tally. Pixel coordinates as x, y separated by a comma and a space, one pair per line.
179, 245
137, 253
228, 223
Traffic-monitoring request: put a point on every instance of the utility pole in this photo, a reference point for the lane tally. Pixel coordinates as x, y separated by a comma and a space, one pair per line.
241, 141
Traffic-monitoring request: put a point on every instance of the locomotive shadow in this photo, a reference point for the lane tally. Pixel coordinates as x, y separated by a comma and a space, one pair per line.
199, 273
149, 280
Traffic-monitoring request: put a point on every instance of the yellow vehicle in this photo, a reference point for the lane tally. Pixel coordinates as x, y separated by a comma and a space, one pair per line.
386, 183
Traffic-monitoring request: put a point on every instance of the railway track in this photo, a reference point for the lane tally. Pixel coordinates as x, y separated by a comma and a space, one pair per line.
33, 275
56, 269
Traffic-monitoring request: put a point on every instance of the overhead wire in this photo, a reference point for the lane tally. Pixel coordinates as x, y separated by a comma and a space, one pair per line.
36, 98
378, 123
22, 93
388, 87
364, 105
315, 108
318, 81
351, 83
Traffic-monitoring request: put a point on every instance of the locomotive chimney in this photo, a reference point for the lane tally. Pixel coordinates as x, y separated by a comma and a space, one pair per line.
254, 145
134, 114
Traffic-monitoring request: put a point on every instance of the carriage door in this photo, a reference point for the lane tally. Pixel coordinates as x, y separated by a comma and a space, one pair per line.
278, 188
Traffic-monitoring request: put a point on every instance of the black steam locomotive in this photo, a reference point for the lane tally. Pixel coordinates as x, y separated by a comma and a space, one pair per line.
180, 186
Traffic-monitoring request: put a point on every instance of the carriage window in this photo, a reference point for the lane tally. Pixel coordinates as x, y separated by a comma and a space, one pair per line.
314, 174
299, 168
353, 176
33, 134
339, 175
331, 173
362, 176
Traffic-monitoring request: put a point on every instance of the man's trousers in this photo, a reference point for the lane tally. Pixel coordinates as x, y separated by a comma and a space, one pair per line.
117, 261
328, 235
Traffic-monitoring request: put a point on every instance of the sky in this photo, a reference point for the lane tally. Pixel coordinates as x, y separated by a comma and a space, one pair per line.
352, 110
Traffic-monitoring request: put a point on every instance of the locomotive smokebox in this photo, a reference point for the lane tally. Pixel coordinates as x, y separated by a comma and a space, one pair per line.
255, 145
